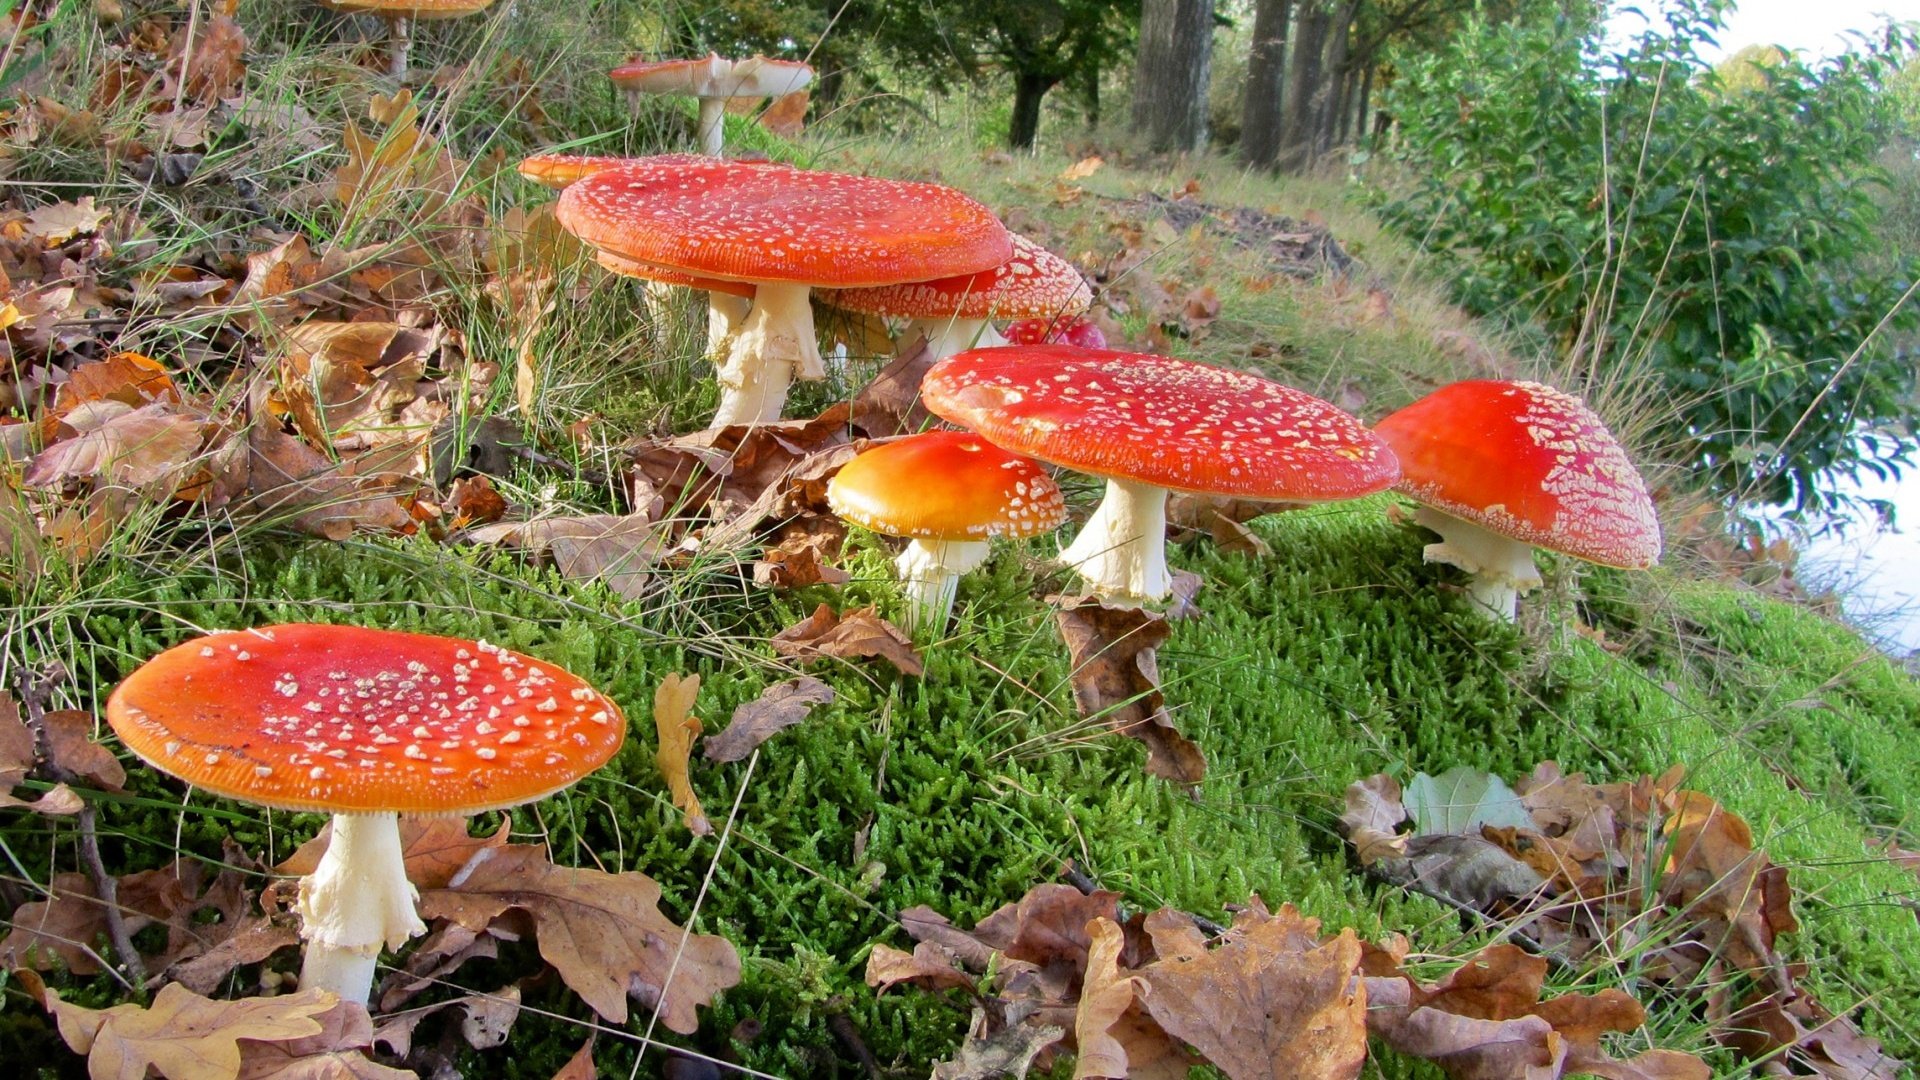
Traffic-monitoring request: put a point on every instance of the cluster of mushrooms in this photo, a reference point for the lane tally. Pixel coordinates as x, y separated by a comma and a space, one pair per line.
368, 724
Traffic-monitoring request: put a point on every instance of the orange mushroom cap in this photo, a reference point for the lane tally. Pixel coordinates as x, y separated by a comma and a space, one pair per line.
1526, 461
411, 9
946, 485
1033, 283
749, 222
1156, 420
669, 276
343, 719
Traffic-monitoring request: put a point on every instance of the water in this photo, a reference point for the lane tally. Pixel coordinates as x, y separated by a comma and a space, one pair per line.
1874, 568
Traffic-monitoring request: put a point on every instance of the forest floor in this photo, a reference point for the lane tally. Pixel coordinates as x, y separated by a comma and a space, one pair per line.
235, 216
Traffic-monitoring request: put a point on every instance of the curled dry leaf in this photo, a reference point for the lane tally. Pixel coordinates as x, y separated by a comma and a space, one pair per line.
333, 1053
1105, 997
778, 707
857, 634
580, 1065
183, 1036
930, 966
603, 933
678, 727
619, 551
152, 447
72, 753
999, 1044
321, 496
1116, 679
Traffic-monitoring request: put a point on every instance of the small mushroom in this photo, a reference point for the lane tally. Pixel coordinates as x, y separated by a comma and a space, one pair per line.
953, 312
400, 15
948, 493
785, 231
1081, 331
1500, 468
1150, 425
713, 80
364, 725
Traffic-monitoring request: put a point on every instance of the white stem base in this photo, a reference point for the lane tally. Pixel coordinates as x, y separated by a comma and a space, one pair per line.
355, 902
713, 125
725, 313
399, 45
1122, 550
948, 336
775, 343
1502, 568
930, 575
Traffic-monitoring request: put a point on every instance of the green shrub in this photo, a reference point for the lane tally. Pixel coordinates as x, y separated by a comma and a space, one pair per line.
1661, 221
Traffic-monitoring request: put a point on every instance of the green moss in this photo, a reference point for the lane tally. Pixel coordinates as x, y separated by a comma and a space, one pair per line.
1339, 656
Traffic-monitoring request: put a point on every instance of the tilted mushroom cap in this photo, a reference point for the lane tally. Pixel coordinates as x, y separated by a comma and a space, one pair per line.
341, 719
669, 276
751, 222
558, 170
411, 9
1157, 420
713, 76
946, 485
1526, 461
1033, 283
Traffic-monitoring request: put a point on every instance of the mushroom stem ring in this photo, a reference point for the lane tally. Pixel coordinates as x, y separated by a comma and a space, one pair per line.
356, 901
1500, 567
1122, 550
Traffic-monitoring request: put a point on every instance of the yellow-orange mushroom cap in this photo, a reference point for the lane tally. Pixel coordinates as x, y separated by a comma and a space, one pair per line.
343, 719
947, 485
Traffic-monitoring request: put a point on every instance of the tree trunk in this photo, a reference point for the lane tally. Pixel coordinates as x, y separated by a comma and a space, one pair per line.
1170, 78
1028, 91
1090, 98
1328, 99
1266, 71
1303, 77
1362, 117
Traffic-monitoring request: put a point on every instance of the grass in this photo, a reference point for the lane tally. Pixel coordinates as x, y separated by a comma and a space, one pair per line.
1338, 656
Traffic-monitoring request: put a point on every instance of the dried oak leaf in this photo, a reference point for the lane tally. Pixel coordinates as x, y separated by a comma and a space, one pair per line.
340, 379
17, 756
1805, 1038
199, 917
437, 955
1105, 997
485, 1020
930, 966
127, 377
678, 727
1116, 679
1273, 1000
333, 1053
151, 447
1714, 874
323, 497
182, 1035
801, 557
72, 752
619, 551
890, 404
778, 707
580, 1065
856, 634
1000, 1043
603, 933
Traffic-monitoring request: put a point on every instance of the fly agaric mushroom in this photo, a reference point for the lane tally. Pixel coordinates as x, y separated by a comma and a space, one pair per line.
364, 725
1150, 425
1500, 468
948, 493
953, 312
713, 80
1082, 331
400, 15
785, 231
558, 170
728, 302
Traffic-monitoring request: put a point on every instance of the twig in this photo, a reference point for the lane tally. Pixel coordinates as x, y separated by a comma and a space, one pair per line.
1083, 881
35, 694
848, 1034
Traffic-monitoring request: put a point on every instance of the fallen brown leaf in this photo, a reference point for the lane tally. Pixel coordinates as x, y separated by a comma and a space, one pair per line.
619, 551
182, 1035
71, 750
678, 727
332, 1053
603, 933
1105, 997
1116, 679
930, 966
857, 634
778, 707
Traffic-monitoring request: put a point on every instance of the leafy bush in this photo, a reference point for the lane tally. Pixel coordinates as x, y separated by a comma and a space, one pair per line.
1663, 222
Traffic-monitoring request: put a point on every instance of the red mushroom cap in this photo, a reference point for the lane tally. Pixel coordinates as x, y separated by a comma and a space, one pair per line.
713, 76
558, 171
669, 276
1083, 332
341, 719
1034, 282
749, 222
946, 485
1526, 461
1157, 420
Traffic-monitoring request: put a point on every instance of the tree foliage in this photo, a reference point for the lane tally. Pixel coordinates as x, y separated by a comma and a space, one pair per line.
1657, 223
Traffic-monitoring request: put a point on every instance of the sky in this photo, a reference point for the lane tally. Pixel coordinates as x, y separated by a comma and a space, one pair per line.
1814, 25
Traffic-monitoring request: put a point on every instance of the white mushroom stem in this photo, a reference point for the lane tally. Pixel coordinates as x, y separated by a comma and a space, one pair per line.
357, 901
1122, 550
725, 313
399, 44
930, 575
713, 125
775, 343
948, 336
1501, 567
